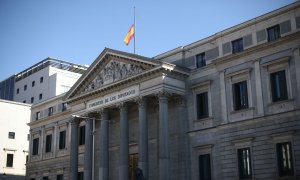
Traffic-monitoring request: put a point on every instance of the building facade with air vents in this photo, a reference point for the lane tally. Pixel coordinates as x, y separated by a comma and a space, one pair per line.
42, 81
224, 107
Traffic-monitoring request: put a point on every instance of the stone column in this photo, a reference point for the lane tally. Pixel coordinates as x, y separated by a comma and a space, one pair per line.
143, 137
223, 97
296, 52
41, 149
183, 144
259, 95
88, 150
164, 154
103, 169
55, 137
30, 145
74, 149
124, 139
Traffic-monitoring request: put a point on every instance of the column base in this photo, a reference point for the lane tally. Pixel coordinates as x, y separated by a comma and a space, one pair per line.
123, 172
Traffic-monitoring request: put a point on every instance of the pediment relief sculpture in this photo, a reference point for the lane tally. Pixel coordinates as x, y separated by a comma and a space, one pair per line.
112, 72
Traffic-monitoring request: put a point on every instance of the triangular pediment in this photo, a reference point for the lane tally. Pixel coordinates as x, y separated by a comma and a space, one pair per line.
109, 68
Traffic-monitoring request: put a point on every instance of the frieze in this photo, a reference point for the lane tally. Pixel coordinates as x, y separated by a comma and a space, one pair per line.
112, 72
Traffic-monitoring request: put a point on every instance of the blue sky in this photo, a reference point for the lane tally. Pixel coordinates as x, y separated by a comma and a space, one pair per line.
77, 30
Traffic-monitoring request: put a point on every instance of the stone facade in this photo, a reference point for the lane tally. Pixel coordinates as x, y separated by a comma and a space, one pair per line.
190, 113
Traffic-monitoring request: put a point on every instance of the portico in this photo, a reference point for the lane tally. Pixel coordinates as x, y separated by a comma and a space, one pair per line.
114, 84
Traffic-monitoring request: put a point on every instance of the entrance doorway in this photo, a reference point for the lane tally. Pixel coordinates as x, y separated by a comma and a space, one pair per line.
133, 164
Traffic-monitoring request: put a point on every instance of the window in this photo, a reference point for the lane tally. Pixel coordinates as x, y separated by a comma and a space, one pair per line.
285, 159
240, 95
62, 140
204, 167
202, 105
273, 33
18, 91
278, 86
45, 178
24, 101
32, 83
200, 60
35, 146
244, 162
41, 79
48, 142
25, 87
26, 158
32, 99
64, 106
9, 160
50, 111
80, 176
81, 135
40, 96
38, 115
59, 177
237, 45
11, 135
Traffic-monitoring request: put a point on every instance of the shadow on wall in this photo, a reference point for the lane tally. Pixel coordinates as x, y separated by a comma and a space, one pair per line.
11, 177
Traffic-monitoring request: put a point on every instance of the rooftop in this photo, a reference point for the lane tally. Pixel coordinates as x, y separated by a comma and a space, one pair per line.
60, 64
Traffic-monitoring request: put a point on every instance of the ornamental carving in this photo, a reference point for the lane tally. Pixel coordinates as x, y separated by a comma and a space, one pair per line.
113, 72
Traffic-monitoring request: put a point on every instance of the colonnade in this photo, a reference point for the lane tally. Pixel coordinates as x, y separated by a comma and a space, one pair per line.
164, 155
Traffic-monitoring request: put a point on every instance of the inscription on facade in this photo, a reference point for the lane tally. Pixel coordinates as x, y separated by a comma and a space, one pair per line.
114, 97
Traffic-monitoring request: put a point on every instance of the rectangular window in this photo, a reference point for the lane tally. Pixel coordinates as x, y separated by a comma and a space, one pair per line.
35, 146
64, 106
237, 45
38, 115
41, 80
40, 96
24, 101
240, 95
25, 87
80, 176
18, 91
285, 159
273, 33
62, 140
45, 178
200, 60
278, 86
32, 99
202, 105
48, 142
33, 83
11, 135
59, 177
50, 111
81, 135
204, 167
244, 162
9, 160
26, 158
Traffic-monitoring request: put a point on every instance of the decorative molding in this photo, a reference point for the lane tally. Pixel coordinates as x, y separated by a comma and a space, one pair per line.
112, 72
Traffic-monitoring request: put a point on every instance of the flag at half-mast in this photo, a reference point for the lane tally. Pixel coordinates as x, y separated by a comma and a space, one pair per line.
129, 35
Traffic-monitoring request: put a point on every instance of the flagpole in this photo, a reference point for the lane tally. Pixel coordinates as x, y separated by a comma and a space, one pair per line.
134, 29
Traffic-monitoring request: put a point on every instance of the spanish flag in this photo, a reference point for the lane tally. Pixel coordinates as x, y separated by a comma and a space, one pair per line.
129, 35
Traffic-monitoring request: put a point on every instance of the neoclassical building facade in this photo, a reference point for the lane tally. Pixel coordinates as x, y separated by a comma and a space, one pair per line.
225, 107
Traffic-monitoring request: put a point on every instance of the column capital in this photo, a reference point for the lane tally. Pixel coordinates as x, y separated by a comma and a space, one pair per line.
122, 106
163, 93
74, 120
102, 111
180, 101
141, 101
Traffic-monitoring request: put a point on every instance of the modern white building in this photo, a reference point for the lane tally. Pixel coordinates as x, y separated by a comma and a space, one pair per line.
13, 139
45, 80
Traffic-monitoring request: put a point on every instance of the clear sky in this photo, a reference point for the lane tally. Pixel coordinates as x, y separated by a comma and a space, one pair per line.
78, 30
